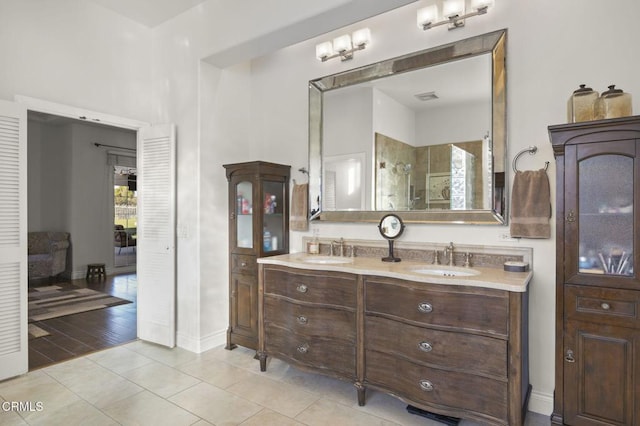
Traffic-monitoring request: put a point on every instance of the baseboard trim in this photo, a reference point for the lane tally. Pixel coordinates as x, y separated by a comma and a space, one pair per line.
541, 403
211, 341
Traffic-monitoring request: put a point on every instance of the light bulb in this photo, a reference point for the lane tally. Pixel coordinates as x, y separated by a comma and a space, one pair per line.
323, 50
427, 16
361, 37
451, 8
342, 43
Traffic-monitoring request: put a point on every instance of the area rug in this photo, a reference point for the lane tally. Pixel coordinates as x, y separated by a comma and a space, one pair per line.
35, 332
55, 301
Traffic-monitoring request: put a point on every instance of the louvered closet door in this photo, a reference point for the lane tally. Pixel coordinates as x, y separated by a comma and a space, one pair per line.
13, 240
156, 234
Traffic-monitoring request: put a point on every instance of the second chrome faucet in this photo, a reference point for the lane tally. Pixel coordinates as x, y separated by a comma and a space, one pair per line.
448, 251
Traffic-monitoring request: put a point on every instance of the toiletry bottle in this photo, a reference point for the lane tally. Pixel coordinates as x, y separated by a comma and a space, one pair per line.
266, 240
245, 206
313, 246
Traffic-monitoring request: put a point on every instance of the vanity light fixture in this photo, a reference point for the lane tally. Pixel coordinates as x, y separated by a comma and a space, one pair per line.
343, 46
453, 13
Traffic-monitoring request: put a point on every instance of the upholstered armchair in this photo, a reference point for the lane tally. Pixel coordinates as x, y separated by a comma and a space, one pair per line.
47, 254
122, 238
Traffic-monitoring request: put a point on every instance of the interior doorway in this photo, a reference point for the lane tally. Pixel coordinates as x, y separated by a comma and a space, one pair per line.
125, 219
72, 183
156, 153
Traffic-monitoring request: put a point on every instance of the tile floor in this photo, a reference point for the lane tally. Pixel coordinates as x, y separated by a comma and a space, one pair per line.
144, 384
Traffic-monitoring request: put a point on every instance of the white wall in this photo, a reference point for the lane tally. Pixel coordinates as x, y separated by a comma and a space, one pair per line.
48, 177
75, 53
443, 125
393, 119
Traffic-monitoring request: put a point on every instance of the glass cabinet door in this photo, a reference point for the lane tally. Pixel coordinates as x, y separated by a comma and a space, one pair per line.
273, 207
244, 214
605, 220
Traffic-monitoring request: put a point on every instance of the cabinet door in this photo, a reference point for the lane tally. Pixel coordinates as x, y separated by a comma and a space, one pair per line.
600, 209
601, 375
241, 218
273, 208
244, 307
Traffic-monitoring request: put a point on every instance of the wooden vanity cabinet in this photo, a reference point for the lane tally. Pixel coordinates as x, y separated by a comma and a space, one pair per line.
462, 350
597, 380
258, 203
309, 320
449, 349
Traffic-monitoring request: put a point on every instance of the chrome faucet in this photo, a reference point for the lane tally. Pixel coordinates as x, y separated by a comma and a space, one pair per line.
436, 260
448, 251
339, 244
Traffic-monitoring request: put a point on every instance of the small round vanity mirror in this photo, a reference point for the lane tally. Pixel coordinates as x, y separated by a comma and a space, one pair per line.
391, 227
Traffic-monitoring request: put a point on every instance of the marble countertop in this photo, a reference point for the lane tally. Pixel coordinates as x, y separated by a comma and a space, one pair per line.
494, 278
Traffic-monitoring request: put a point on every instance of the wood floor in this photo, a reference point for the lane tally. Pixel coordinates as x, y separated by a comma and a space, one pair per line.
79, 334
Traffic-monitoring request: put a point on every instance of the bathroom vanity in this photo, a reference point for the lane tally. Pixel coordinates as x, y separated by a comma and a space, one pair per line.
449, 340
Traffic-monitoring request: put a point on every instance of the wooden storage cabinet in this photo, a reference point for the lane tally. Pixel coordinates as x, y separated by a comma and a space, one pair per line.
453, 350
258, 202
309, 319
597, 379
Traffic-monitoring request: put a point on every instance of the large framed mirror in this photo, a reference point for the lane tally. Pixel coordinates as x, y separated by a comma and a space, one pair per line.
422, 135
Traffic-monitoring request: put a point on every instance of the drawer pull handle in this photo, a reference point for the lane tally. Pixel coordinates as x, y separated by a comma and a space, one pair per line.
302, 288
425, 346
303, 349
426, 385
605, 306
425, 307
302, 319
243, 264
569, 356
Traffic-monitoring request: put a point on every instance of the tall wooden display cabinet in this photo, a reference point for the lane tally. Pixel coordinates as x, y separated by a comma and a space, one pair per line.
597, 380
258, 227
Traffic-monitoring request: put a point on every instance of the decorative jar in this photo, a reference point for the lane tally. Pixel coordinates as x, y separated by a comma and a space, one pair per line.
581, 105
613, 103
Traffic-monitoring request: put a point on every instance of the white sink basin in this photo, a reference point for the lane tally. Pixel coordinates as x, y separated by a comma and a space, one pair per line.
445, 271
327, 260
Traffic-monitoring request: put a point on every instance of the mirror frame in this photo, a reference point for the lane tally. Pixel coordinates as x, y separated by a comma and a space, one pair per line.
494, 43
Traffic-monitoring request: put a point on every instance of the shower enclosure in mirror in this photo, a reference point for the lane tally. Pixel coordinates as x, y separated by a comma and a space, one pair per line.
422, 135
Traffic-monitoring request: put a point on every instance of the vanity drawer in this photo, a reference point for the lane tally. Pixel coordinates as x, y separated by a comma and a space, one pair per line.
464, 308
455, 351
424, 385
244, 264
603, 305
328, 288
331, 355
312, 321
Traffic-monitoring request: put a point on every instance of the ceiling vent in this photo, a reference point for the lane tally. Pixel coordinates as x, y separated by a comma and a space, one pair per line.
426, 96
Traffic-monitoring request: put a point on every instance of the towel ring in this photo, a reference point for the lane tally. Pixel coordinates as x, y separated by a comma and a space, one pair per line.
302, 170
531, 150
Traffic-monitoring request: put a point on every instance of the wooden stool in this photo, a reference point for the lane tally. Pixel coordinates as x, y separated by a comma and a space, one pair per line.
96, 270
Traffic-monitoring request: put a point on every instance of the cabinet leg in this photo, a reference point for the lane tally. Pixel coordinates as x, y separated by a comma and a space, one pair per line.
230, 346
361, 393
263, 361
